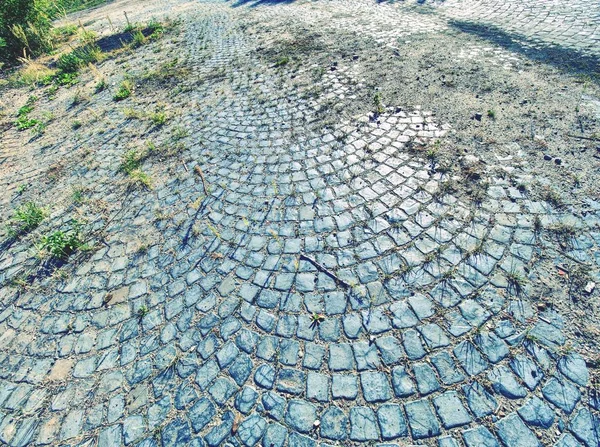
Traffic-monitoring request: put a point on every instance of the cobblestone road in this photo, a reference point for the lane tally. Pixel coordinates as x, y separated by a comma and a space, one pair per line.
290, 283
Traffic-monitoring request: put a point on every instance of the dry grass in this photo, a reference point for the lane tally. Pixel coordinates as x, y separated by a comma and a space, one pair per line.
31, 72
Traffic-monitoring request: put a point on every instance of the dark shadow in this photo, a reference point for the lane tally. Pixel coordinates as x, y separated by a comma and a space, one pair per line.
254, 3
566, 59
120, 40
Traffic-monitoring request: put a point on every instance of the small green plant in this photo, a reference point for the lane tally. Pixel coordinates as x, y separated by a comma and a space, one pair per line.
179, 133
100, 86
79, 58
158, 118
78, 195
564, 234
61, 244
491, 114
23, 121
26, 218
63, 32
553, 198
131, 113
142, 311
131, 165
124, 91
537, 225
432, 155
516, 281
284, 60
138, 39
378, 102
316, 319
75, 125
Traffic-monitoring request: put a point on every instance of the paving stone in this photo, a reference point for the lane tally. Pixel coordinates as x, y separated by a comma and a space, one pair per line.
201, 413
363, 424
251, 430
562, 394
366, 356
265, 376
412, 345
375, 387
567, 440
275, 436
526, 370
334, 424
505, 383
317, 387
493, 347
512, 431
246, 399
479, 437
341, 357
344, 386
421, 419
274, 405
391, 421
390, 350
573, 366
446, 368
450, 410
481, 403
402, 383
301, 415
585, 425
537, 413
426, 379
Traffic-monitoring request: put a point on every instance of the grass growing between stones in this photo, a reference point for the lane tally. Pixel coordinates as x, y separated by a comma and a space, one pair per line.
26, 218
61, 244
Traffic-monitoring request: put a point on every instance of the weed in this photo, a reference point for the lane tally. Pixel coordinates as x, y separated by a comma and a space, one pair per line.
76, 125
139, 177
284, 60
553, 198
22, 188
130, 113
432, 155
516, 281
63, 32
316, 319
537, 225
491, 114
124, 91
378, 103
158, 118
79, 58
78, 195
23, 121
61, 244
142, 311
138, 39
429, 258
26, 218
214, 231
179, 133
578, 276
131, 165
100, 86
564, 234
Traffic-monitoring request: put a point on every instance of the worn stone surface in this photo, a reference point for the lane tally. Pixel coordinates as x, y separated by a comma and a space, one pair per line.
312, 265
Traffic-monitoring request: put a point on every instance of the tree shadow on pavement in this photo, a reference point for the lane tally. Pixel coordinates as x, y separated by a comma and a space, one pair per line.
566, 59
